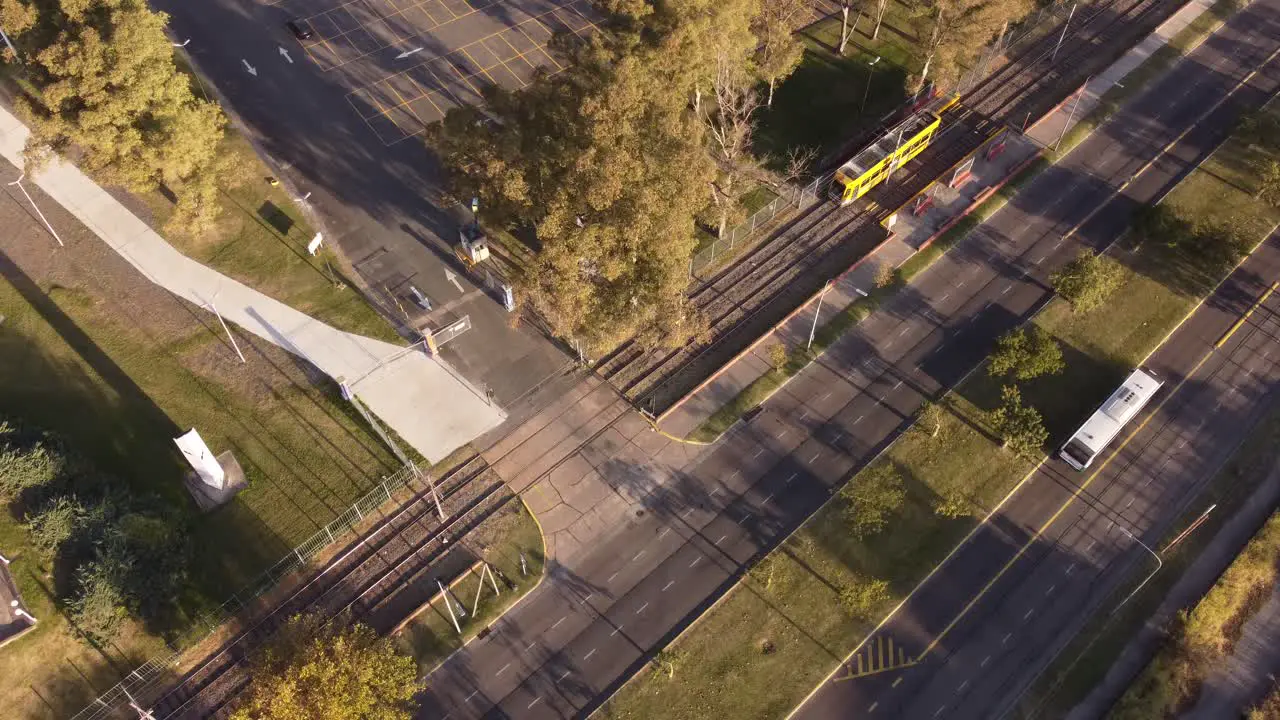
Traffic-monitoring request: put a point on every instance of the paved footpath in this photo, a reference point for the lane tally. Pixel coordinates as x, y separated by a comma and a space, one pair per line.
430, 407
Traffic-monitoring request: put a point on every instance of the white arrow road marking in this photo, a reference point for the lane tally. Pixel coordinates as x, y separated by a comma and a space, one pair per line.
252, 70
285, 53
407, 53
453, 279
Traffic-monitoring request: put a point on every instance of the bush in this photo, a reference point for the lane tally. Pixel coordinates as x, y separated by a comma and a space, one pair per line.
53, 526
1026, 355
863, 599
1020, 427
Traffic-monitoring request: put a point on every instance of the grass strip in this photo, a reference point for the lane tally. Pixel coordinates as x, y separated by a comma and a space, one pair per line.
777, 633
501, 541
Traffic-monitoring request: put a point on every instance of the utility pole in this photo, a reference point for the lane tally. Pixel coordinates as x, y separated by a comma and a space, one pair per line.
1065, 25
227, 330
43, 219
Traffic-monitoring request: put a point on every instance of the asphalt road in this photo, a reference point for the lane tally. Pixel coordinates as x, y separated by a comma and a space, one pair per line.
589, 627
987, 624
378, 203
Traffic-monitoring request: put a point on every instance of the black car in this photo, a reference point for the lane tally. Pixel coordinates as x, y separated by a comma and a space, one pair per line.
298, 30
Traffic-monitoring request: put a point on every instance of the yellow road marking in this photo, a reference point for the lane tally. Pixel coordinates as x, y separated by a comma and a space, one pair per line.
1244, 318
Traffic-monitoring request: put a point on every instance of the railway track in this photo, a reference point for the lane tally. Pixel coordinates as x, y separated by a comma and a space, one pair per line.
357, 582
743, 300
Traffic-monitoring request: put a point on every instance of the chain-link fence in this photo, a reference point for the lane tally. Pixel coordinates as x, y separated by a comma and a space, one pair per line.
735, 238
341, 527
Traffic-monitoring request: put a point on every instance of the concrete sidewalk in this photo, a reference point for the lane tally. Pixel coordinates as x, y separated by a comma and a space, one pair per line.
427, 404
911, 232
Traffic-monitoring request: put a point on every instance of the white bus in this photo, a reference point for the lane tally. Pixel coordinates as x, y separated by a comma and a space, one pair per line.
1105, 423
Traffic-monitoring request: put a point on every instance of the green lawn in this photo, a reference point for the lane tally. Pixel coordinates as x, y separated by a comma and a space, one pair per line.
820, 105
500, 540
796, 614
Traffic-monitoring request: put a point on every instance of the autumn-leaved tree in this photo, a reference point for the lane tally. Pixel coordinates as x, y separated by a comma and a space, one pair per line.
1019, 426
317, 669
108, 87
607, 164
871, 497
1088, 280
1026, 355
955, 31
780, 51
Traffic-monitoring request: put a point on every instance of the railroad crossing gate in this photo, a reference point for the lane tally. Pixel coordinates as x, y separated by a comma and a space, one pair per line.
962, 173
923, 202
437, 339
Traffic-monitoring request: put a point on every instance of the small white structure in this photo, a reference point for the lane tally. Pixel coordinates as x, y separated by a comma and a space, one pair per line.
202, 459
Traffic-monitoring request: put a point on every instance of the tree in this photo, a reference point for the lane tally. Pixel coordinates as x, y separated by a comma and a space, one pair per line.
871, 497
102, 599
780, 52
1026, 355
846, 29
730, 129
929, 419
1087, 281
318, 669
1020, 427
958, 30
863, 598
778, 357
108, 88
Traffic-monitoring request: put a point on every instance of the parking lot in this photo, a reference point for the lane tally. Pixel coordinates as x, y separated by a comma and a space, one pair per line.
448, 49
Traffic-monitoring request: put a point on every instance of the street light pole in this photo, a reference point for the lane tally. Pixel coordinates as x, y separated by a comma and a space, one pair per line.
816, 313
1159, 564
870, 71
43, 219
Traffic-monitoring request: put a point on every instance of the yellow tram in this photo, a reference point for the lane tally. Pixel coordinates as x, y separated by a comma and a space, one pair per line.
874, 163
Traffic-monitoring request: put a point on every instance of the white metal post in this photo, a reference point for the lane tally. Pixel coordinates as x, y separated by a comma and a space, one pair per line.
1071, 115
1065, 25
227, 330
1159, 564
479, 589
445, 595
35, 207
16, 56
492, 581
816, 313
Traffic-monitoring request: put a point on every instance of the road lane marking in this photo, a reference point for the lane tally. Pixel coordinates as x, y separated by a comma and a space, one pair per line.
789, 479
668, 585
588, 655
588, 597
685, 514
783, 434
611, 577
535, 702
897, 385
938, 712
815, 457
985, 660
553, 627
530, 646
1048, 592
504, 669
1006, 638
767, 499
563, 675
757, 453
855, 422
471, 696
716, 491
637, 556
897, 682
722, 537
806, 414
824, 397
872, 708
1032, 610
616, 630
1006, 290
662, 534
963, 685
642, 607
695, 561
1071, 568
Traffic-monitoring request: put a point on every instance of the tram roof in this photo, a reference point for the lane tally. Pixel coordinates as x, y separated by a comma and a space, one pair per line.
883, 147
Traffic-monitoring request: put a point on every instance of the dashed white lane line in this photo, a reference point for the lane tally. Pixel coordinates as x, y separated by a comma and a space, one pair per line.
1029, 612
805, 414
553, 627
789, 479
1128, 504
938, 712
588, 597
611, 577
945, 295
687, 512
529, 647
668, 585
872, 707
855, 422
1049, 592
897, 682
535, 702
504, 669
815, 457
722, 537
588, 655
783, 434
695, 561
664, 532
985, 660
641, 608
903, 331
897, 385
471, 696
824, 397
616, 630
745, 517
1006, 638
963, 685
761, 450
767, 499
736, 474
563, 675
1071, 568
716, 492
637, 556
1006, 290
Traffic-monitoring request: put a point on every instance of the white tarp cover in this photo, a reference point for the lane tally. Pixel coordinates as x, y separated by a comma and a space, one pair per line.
202, 459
